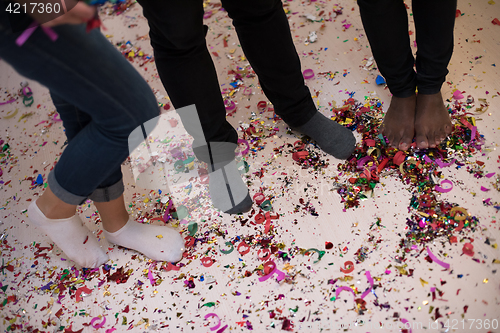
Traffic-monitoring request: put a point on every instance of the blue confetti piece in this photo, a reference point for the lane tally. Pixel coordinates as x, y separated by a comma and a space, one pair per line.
379, 80
39, 179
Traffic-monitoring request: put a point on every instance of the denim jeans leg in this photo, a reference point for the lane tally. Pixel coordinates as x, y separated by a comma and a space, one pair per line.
87, 72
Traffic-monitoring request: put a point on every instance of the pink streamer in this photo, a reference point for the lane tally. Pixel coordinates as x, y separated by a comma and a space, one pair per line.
340, 289
98, 325
442, 189
441, 164
370, 280
436, 260
10, 101
29, 31
209, 315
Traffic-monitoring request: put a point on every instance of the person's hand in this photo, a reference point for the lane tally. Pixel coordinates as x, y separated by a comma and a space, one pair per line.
71, 12
80, 13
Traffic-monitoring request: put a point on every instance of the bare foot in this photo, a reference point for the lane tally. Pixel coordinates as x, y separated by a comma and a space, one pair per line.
398, 125
432, 121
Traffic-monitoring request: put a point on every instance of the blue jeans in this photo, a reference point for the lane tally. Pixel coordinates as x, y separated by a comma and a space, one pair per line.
100, 98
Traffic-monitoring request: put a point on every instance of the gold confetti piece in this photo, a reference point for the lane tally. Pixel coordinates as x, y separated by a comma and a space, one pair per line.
423, 282
26, 115
494, 245
425, 302
485, 281
11, 115
496, 261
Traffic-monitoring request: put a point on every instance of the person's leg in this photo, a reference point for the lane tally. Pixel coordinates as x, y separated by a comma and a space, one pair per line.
386, 26
93, 77
74, 121
434, 24
182, 59
265, 37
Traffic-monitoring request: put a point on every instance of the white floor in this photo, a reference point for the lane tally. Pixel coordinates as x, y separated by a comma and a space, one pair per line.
311, 212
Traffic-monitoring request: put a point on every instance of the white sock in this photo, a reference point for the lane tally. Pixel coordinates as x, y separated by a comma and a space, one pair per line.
156, 242
72, 237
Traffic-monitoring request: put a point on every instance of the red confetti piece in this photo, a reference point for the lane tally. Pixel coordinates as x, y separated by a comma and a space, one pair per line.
468, 249
79, 292
399, 157
207, 261
243, 248
348, 267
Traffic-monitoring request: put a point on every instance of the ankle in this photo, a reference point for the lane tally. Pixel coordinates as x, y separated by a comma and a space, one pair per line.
113, 225
55, 210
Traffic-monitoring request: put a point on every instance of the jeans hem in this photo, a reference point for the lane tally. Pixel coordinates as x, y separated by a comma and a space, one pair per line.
63, 194
109, 193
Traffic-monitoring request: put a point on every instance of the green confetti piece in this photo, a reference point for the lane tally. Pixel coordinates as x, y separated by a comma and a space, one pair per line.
209, 304
227, 251
192, 228
320, 253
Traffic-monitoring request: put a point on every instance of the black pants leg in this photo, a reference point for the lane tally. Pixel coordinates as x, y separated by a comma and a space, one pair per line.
266, 40
386, 26
188, 73
434, 24
186, 68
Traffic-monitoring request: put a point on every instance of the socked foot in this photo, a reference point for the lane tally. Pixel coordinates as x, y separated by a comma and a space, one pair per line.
398, 125
432, 121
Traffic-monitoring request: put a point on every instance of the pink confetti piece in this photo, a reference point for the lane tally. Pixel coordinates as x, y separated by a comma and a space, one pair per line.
443, 189
275, 270
387, 272
489, 175
473, 133
308, 74
340, 289
92, 323
213, 328
484, 189
150, 276
404, 321
436, 260
110, 330
457, 94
